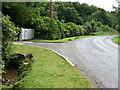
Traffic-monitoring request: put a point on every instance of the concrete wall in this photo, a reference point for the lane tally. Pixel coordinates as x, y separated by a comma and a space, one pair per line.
26, 34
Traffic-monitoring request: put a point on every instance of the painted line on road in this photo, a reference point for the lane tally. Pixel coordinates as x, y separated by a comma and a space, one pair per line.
64, 58
17, 43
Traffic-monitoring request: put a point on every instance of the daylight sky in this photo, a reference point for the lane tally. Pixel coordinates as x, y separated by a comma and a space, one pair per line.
106, 4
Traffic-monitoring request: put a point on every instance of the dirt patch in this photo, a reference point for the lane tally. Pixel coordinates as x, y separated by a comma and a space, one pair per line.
10, 74
10, 77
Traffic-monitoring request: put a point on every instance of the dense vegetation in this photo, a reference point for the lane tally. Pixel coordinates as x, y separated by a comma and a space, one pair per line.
9, 34
69, 18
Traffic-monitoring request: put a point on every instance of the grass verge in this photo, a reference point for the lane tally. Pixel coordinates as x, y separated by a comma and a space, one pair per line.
76, 37
116, 40
60, 40
104, 33
50, 71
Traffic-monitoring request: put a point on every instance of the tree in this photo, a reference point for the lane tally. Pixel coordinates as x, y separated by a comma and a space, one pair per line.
69, 14
21, 13
84, 10
103, 17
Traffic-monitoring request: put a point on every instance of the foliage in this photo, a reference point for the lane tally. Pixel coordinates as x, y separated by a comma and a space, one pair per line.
25, 65
68, 11
96, 26
21, 62
75, 30
103, 16
21, 12
116, 40
84, 10
9, 34
73, 16
35, 15
47, 28
117, 28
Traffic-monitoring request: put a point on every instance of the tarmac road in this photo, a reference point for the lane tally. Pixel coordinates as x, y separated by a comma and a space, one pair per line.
96, 58
101, 59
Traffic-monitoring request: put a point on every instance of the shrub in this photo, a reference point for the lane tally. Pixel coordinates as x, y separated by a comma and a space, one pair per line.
9, 34
25, 65
117, 28
74, 29
105, 28
47, 28
93, 26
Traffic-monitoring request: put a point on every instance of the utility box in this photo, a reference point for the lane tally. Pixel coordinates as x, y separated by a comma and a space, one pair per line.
26, 34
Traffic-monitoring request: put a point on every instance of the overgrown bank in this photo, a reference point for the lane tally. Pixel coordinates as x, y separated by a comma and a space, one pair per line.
50, 71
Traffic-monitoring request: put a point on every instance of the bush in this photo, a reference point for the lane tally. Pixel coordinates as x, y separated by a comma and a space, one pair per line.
117, 28
93, 26
47, 28
9, 34
75, 30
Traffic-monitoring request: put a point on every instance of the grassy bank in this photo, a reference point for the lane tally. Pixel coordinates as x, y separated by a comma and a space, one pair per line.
60, 40
76, 37
104, 33
50, 71
116, 40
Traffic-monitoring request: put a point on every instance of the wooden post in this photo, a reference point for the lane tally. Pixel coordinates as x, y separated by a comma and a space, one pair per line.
51, 8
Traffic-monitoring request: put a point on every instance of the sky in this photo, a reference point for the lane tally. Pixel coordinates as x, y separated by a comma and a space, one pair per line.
105, 4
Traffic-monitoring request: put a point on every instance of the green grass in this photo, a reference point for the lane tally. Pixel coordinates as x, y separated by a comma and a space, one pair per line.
76, 37
50, 71
116, 40
60, 40
104, 33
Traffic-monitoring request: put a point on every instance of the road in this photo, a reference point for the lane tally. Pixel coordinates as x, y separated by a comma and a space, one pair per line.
96, 58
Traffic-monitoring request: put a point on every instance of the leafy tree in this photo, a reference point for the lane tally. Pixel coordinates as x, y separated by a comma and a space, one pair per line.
84, 10
69, 14
116, 18
103, 17
60, 12
21, 13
